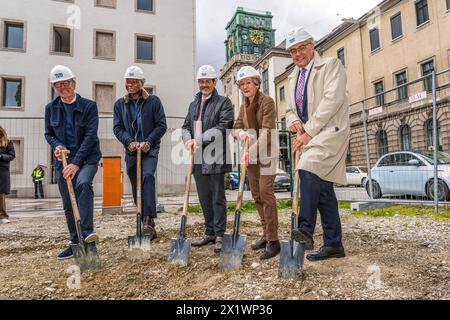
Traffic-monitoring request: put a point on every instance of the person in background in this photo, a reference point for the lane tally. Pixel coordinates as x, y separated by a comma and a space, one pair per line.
38, 176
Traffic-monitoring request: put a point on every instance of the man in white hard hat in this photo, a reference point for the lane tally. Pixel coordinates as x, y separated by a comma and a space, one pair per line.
318, 109
71, 122
209, 117
140, 122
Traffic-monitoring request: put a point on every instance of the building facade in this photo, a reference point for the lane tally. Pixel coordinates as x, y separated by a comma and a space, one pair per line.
98, 40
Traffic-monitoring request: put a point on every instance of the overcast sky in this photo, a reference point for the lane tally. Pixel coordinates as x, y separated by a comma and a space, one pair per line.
318, 16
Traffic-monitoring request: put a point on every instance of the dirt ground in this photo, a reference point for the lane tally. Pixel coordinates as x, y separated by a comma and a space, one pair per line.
411, 254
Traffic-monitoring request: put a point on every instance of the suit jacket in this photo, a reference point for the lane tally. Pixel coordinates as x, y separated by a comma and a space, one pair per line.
329, 120
265, 148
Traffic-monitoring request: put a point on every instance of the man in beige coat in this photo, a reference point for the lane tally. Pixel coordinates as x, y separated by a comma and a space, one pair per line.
318, 110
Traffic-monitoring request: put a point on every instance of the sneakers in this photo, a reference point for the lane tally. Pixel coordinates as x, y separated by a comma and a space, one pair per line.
93, 237
218, 246
66, 254
4, 221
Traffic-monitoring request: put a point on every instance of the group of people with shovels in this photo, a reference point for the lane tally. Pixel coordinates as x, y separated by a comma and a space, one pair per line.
317, 114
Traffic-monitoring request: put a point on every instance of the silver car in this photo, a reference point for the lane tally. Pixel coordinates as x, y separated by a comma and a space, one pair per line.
410, 173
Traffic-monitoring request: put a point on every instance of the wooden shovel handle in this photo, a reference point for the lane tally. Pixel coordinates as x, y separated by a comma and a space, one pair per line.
242, 180
73, 200
188, 184
296, 179
139, 181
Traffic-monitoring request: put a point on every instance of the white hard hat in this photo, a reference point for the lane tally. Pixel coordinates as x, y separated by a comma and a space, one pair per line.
61, 73
134, 72
297, 35
247, 72
206, 72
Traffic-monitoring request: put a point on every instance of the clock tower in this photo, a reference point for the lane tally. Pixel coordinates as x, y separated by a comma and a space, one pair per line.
250, 33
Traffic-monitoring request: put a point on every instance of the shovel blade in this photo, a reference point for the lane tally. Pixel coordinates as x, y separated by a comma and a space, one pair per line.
231, 256
134, 242
179, 251
291, 259
86, 256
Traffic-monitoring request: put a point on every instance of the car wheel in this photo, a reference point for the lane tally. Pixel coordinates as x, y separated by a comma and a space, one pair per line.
443, 193
375, 189
363, 181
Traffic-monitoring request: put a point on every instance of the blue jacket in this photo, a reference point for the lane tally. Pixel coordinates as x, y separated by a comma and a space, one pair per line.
85, 120
153, 122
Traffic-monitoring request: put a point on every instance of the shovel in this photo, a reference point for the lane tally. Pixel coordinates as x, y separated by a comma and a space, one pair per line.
138, 241
292, 253
85, 254
180, 248
233, 244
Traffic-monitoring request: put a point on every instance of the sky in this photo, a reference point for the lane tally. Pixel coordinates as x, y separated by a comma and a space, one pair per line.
319, 17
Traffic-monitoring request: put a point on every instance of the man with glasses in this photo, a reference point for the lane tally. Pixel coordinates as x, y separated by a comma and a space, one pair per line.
318, 110
140, 122
71, 123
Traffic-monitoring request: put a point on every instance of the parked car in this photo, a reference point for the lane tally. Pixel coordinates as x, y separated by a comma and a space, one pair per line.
356, 176
232, 181
282, 181
410, 173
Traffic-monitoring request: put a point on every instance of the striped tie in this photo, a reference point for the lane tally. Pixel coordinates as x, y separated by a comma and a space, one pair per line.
299, 92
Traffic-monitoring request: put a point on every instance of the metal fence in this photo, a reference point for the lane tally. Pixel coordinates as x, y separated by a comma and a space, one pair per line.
393, 139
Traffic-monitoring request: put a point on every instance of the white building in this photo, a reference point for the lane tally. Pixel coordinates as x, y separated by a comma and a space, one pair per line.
98, 40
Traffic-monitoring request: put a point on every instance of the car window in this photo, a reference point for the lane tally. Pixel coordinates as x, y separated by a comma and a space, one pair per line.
387, 161
420, 161
349, 170
402, 159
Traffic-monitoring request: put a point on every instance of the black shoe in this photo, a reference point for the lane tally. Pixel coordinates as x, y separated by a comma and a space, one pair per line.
149, 228
66, 254
206, 240
272, 250
303, 237
218, 246
326, 253
260, 244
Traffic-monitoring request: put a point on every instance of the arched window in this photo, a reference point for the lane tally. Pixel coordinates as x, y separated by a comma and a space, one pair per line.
429, 132
382, 143
405, 138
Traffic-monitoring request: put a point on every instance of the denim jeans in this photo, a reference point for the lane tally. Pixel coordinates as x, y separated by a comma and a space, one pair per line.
84, 193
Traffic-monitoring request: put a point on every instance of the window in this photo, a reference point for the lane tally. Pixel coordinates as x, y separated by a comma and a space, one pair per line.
374, 39
341, 56
17, 164
400, 80
448, 4
429, 132
144, 6
348, 159
61, 40
405, 138
13, 35
104, 44
427, 68
382, 143
12, 92
282, 94
144, 49
106, 3
105, 96
396, 26
265, 81
387, 161
379, 88
422, 11
150, 89
256, 50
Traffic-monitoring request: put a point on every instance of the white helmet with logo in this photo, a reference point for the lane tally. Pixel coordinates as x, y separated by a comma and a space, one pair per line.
247, 72
61, 73
134, 72
206, 72
297, 35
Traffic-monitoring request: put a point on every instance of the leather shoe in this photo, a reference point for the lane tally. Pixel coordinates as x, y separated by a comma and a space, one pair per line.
149, 228
218, 246
206, 240
272, 249
326, 253
303, 237
260, 244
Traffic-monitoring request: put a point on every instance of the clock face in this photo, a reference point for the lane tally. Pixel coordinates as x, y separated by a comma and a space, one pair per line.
257, 37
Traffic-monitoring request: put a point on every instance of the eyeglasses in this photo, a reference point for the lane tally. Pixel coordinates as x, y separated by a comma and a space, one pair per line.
60, 84
133, 82
300, 49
